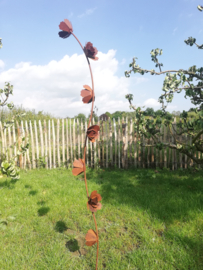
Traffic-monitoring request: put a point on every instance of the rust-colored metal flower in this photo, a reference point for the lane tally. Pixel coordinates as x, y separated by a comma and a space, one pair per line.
93, 133
66, 28
91, 51
78, 167
91, 238
93, 202
87, 94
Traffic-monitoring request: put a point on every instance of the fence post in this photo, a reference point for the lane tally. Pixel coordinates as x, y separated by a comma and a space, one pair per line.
119, 143
54, 149
63, 146
131, 140
58, 144
28, 152
19, 143
36, 140
49, 142
14, 142
46, 150
115, 142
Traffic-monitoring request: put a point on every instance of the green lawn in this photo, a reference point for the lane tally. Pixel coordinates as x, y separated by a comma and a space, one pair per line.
148, 221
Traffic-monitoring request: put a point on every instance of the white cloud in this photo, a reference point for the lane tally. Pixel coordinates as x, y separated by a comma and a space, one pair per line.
87, 12
153, 103
55, 87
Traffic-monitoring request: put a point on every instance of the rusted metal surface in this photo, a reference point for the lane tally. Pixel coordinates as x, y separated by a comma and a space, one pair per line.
92, 134
78, 167
90, 51
66, 28
93, 203
87, 94
91, 238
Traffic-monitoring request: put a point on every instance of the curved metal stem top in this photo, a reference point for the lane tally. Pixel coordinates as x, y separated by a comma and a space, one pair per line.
91, 79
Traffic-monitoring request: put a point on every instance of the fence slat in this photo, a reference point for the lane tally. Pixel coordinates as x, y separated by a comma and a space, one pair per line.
165, 148
49, 143
58, 143
87, 144
71, 144
131, 140
78, 137
106, 129
10, 144
135, 148
99, 144
67, 143
14, 143
74, 144
115, 142
23, 144
46, 150
33, 146
36, 141
119, 144
95, 150
110, 135
28, 152
103, 161
54, 144
41, 139
2, 138
63, 143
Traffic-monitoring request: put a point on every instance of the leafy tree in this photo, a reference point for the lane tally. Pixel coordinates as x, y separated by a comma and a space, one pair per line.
80, 116
8, 167
158, 113
149, 112
108, 114
174, 82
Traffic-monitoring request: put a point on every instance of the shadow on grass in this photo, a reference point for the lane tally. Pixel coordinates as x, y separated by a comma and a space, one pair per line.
33, 192
72, 245
8, 184
167, 193
169, 197
28, 186
42, 202
43, 211
60, 226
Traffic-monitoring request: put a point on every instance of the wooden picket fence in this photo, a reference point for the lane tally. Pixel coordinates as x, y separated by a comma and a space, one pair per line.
59, 143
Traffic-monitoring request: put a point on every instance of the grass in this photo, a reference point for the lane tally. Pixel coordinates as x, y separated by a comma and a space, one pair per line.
148, 220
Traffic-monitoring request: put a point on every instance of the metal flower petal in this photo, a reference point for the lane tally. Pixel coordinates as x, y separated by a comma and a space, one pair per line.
91, 51
78, 167
93, 201
93, 133
66, 28
87, 94
91, 238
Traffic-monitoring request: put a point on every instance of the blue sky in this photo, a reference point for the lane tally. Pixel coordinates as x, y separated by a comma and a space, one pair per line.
48, 72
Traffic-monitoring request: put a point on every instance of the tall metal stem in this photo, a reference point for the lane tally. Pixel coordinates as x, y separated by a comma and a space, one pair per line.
85, 147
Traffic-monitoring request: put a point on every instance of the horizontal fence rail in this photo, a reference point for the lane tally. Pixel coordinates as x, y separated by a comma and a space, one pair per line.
58, 143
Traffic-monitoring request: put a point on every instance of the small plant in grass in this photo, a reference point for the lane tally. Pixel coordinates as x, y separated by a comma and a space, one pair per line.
92, 133
4, 221
41, 163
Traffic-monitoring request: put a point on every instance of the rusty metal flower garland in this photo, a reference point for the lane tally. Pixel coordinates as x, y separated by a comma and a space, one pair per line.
93, 203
